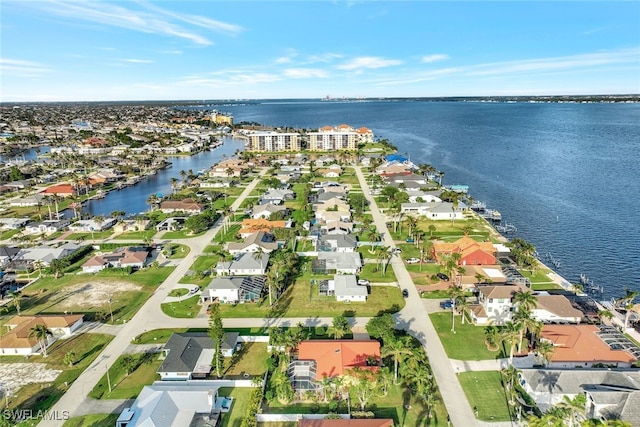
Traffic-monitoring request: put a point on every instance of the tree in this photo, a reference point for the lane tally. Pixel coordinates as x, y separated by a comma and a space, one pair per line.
216, 332
455, 293
70, 358
129, 364
626, 302
381, 327
397, 348
510, 335
174, 184
492, 337
363, 383
340, 327
545, 350
573, 408
41, 333
15, 299
57, 266
525, 300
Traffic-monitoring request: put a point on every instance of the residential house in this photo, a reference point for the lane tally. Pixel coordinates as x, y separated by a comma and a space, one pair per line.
394, 168
254, 242
126, 225
405, 181
436, 211
333, 171
419, 196
125, 257
608, 391
555, 309
60, 190
44, 254
244, 264
336, 227
188, 206
17, 341
495, 304
31, 200
234, 289
250, 226
89, 225
490, 274
265, 211
7, 253
46, 226
337, 262
165, 403
277, 196
471, 251
346, 289
324, 195
337, 243
317, 359
228, 168
588, 345
189, 355
13, 223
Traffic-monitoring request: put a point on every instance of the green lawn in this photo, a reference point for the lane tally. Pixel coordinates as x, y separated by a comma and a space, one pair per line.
187, 308
178, 292
98, 235
93, 420
371, 273
181, 234
250, 360
135, 235
38, 397
485, 392
176, 251
233, 418
125, 386
467, 343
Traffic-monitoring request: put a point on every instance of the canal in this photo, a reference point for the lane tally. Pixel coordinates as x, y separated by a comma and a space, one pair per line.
132, 200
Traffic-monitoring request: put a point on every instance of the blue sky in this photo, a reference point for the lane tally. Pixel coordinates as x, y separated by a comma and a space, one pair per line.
61, 50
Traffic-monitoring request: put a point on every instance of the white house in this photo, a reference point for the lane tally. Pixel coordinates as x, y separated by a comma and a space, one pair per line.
555, 309
47, 226
244, 263
495, 304
89, 225
234, 289
18, 342
254, 242
339, 262
346, 288
437, 211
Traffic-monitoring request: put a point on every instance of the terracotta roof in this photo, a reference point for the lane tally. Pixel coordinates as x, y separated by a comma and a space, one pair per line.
260, 224
95, 261
580, 343
335, 357
59, 189
374, 422
18, 336
465, 246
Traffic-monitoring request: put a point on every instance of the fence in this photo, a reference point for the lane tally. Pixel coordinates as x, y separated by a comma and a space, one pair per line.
266, 418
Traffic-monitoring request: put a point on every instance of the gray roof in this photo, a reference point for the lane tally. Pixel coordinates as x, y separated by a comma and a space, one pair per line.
574, 381
341, 261
347, 284
185, 349
339, 240
265, 240
245, 261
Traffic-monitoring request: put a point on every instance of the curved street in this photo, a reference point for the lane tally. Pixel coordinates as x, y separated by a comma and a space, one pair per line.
413, 318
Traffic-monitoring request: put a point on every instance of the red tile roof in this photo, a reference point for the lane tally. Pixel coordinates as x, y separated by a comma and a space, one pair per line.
335, 357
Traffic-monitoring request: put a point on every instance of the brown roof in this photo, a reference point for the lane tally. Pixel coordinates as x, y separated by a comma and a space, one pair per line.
186, 204
501, 291
558, 305
18, 336
465, 246
580, 343
373, 422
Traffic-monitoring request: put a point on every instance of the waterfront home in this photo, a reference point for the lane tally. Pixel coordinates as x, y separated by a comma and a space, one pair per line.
189, 355
555, 309
89, 225
188, 206
31, 200
131, 225
393, 169
7, 253
234, 289
190, 403
611, 394
471, 251
244, 264
410, 181
317, 359
436, 211
60, 190
218, 183
46, 226
419, 196
254, 242
265, 211
250, 226
495, 304
587, 346
337, 262
228, 168
17, 341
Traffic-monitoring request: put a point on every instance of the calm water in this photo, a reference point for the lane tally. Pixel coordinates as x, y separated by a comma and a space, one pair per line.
566, 175
132, 199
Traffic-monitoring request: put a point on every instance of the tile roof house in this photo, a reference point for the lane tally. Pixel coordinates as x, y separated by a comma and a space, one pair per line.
495, 304
471, 251
316, 359
244, 264
234, 289
555, 309
586, 345
253, 243
134, 257
62, 190
18, 342
188, 355
186, 205
172, 404
250, 226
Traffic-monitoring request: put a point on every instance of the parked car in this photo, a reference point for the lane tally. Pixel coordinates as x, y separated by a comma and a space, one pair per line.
446, 304
443, 276
413, 260
363, 282
409, 240
405, 293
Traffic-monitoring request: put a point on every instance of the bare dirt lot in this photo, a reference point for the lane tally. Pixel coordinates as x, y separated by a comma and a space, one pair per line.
15, 375
95, 293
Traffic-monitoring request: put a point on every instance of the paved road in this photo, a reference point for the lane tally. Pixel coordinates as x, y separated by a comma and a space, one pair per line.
414, 319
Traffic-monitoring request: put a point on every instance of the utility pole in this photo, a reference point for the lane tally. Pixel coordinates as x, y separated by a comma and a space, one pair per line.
108, 379
110, 308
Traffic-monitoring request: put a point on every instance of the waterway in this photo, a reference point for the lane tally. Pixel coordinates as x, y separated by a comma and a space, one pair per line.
565, 174
132, 199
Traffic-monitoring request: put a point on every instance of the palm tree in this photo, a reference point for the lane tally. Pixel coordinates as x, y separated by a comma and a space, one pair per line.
626, 302
522, 318
397, 348
545, 350
15, 298
605, 315
174, 184
463, 306
574, 408
455, 294
339, 328
510, 335
525, 300
373, 236
41, 334
492, 337
432, 229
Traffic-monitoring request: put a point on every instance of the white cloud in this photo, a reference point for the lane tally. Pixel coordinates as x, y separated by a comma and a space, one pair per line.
434, 58
305, 73
154, 20
368, 62
137, 61
324, 57
22, 68
171, 52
